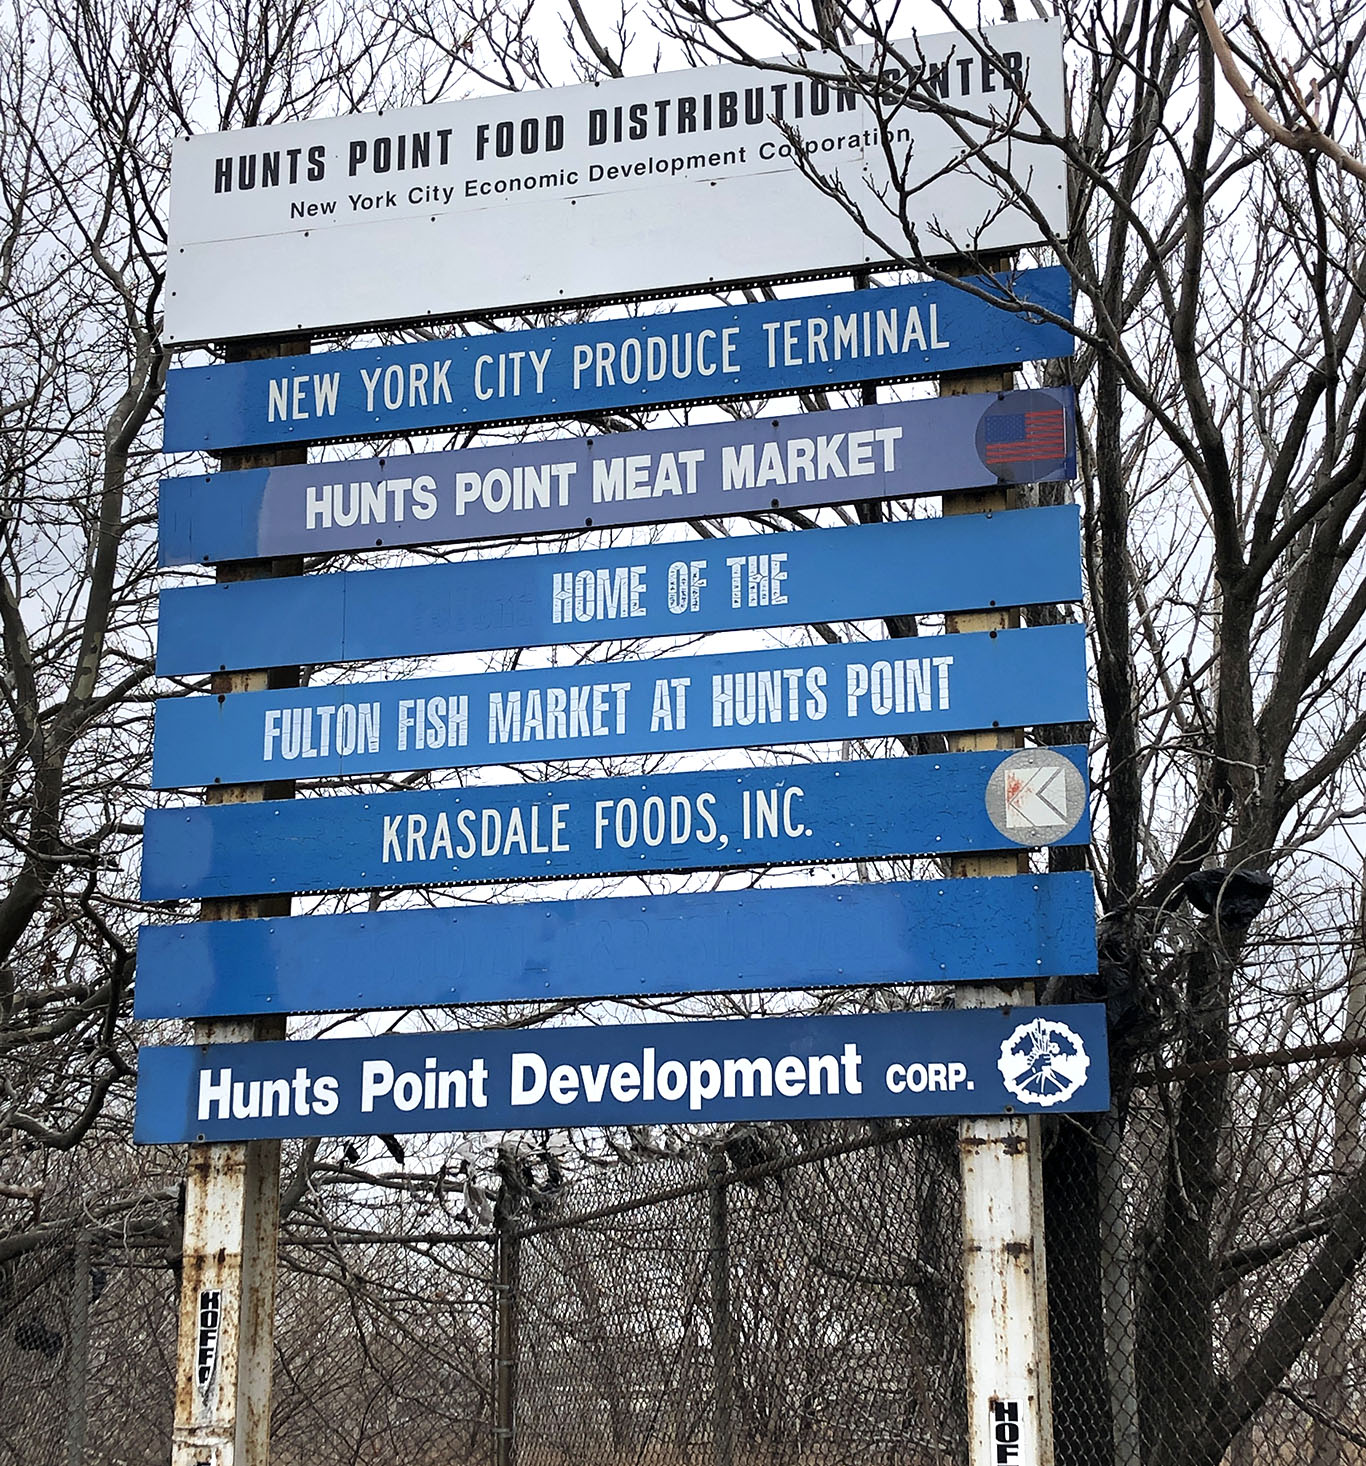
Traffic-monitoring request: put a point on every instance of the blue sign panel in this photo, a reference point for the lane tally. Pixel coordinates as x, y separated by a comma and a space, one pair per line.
889, 450
761, 816
762, 350
734, 584
976, 1061
997, 929
858, 689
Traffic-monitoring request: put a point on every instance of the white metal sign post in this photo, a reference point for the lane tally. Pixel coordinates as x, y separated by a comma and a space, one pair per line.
227, 1299
232, 1191
232, 1220
1005, 1309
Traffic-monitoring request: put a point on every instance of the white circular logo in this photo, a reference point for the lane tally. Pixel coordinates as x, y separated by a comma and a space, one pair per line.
1043, 1062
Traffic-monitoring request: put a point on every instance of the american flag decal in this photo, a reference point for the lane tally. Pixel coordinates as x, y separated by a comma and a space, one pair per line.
1024, 437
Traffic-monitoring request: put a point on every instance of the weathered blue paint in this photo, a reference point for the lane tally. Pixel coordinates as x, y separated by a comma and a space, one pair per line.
796, 460
805, 813
728, 700
762, 350
916, 567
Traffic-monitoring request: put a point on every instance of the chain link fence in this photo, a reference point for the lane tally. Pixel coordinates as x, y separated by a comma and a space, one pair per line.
87, 1352
780, 1294
760, 1309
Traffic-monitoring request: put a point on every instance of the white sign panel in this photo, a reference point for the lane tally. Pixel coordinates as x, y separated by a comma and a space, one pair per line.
655, 184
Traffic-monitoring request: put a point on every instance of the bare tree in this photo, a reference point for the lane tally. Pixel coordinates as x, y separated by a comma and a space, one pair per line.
1218, 262
1219, 276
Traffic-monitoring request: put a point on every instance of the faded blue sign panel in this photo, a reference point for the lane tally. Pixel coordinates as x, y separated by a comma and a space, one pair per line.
998, 929
576, 827
979, 1061
798, 460
728, 700
893, 333
911, 568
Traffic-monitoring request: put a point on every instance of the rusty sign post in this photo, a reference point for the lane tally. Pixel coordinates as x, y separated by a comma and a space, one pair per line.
232, 1190
1005, 1309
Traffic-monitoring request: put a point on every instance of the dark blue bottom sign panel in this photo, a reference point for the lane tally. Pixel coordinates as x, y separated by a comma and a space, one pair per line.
862, 689
997, 929
984, 1061
763, 816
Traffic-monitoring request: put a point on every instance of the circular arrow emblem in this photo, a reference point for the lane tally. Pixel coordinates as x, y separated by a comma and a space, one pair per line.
1043, 1062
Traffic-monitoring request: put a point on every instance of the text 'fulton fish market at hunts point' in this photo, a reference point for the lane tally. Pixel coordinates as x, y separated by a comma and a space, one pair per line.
1015, 678
575, 194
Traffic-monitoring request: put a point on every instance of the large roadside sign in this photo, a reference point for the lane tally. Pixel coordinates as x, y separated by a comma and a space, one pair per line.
641, 188
676, 181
